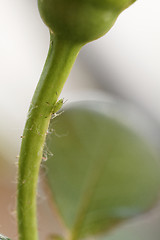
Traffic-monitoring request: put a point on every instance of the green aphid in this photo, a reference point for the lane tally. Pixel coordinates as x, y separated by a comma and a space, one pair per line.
57, 106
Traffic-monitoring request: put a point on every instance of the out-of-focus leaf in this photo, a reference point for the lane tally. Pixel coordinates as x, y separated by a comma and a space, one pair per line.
3, 237
101, 172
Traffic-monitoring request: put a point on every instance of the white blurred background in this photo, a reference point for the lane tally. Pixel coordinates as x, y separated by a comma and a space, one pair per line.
124, 63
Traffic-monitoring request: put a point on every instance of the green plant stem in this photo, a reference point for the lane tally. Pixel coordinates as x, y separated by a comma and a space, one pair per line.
59, 62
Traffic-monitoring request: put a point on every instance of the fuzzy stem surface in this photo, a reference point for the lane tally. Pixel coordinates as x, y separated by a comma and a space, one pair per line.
61, 57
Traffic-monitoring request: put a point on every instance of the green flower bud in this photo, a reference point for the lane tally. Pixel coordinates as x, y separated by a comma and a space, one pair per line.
81, 20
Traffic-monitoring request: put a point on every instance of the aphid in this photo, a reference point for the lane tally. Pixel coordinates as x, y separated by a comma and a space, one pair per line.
57, 106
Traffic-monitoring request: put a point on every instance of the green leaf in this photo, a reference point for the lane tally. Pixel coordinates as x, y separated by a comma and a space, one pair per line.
3, 237
101, 173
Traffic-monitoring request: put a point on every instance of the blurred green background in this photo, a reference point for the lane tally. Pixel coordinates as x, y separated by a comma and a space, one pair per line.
123, 65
